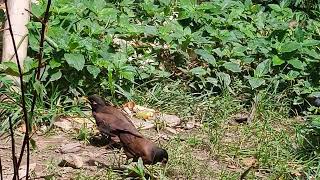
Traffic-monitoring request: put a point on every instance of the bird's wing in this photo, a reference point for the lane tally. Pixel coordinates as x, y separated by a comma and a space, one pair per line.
102, 125
116, 124
118, 113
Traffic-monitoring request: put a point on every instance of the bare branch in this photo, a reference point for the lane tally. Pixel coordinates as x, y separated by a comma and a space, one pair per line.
13, 151
1, 174
22, 88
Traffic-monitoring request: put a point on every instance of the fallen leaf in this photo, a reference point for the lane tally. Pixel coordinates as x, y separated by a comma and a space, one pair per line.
250, 161
144, 115
138, 108
130, 105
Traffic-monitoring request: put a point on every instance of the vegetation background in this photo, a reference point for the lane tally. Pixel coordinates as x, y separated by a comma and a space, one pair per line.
202, 60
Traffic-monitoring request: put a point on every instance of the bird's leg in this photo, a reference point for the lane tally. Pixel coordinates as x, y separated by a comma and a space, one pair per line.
109, 139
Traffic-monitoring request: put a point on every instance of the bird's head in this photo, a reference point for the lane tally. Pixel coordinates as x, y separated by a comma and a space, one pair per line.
161, 155
96, 102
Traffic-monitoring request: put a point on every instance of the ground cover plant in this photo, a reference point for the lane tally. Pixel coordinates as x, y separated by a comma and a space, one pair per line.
205, 61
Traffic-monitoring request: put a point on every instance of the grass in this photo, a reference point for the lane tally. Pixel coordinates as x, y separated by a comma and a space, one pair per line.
221, 149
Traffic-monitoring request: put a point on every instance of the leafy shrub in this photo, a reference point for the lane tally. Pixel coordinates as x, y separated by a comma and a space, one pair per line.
210, 45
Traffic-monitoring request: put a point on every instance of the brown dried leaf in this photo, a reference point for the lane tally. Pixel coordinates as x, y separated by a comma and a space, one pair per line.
250, 161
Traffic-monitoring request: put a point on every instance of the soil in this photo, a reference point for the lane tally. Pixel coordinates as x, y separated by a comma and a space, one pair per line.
47, 155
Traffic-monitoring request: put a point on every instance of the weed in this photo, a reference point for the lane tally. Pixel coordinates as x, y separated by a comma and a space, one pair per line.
84, 134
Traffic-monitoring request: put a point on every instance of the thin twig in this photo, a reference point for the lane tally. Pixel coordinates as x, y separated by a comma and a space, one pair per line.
19, 44
34, 97
38, 19
25, 113
13, 151
3, 29
40, 54
1, 174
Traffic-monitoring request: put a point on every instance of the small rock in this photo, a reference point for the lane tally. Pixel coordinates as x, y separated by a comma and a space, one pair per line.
170, 120
140, 124
72, 160
170, 130
190, 125
63, 124
70, 148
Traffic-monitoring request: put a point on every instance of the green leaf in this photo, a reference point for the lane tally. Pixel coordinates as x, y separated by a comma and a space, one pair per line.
262, 69
275, 7
234, 67
276, 61
76, 61
314, 94
292, 75
224, 78
311, 53
33, 143
40, 89
256, 82
297, 64
11, 65
53, 63
206, 56
129, 75
93, 70
55, 76
310, 42
213, 81
199, 71
289, 47
299, 34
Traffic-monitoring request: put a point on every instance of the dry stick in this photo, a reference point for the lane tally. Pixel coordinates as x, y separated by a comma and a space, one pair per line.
43, 30
13, 151
3, 29
40, 55
25, 113
1, 174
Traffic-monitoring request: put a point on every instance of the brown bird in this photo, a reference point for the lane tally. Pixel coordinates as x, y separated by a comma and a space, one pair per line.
112, 122
136, 147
